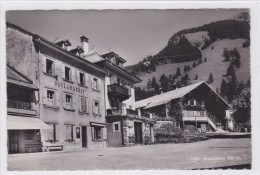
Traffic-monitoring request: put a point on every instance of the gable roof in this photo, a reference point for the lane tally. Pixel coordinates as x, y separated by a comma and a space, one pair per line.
15, 77
171, 95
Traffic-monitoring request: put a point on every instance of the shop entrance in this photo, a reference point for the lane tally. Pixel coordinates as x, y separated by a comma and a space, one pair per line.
84, 136
13, 141
138, 132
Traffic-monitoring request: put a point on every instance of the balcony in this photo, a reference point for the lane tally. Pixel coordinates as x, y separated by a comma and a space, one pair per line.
19, 107
195, 116
127, 112
118, 92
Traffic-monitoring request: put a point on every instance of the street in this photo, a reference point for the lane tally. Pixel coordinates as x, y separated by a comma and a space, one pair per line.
204, 154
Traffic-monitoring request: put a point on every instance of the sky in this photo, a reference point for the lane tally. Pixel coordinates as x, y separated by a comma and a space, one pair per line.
133, 34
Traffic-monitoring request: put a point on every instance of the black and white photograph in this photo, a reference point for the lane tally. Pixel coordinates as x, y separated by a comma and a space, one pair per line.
128, 89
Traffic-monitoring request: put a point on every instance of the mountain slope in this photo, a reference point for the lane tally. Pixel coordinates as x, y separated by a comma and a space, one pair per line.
214, 64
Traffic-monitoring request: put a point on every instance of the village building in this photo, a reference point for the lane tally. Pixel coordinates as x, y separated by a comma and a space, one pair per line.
125, 125
70, 90
23, 122
200, 106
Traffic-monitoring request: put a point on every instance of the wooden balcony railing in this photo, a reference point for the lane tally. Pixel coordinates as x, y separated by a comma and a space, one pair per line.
18, 104
117, 91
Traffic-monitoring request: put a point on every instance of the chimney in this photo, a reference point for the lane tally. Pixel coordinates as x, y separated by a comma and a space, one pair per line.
84, 45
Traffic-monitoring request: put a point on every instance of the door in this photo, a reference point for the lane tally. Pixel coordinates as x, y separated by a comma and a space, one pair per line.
84, 136
13, 137
138, 132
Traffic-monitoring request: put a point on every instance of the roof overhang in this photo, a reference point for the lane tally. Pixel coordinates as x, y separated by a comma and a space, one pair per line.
119, 70
47, 43
21, 83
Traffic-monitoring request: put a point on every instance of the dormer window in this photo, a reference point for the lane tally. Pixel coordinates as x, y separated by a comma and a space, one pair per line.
64, 44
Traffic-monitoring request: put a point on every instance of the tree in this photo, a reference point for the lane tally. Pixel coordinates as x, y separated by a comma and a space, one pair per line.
210, 79
149, 84
223, 88
196, 77
175, 112
242, 107
178, 72
230, 70
164, 82
217, 91
155, 85
194, 64
200, 61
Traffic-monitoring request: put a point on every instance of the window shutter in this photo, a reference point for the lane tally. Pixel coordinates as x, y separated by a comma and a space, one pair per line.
104, 131
98, 84
80, 103
93, 106
53, 68
92, 82
86, 79
50, 133
195, 102
74, 132
64, 100
57, 132
56, 67
71, 74
57, 99
92, 133
45, 96
78, 77
74, 103
63, 71
44, 64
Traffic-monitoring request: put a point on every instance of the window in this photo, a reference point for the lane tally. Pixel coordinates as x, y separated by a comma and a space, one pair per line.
68, 73
50, 98
68, 101
78, 132
130, 107
96, 107
97, 133
69, 133
116, 127
83, 104
29, 134
49, 67
82, 79
52, 134
95, 84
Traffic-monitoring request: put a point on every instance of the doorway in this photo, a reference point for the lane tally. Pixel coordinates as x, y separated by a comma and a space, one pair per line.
138, 132
84, 136
13, 143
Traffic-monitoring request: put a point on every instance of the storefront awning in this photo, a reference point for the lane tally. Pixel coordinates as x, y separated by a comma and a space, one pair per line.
23, 123
97, 124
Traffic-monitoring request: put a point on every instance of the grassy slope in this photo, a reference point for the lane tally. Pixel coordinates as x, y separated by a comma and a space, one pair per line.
215, 64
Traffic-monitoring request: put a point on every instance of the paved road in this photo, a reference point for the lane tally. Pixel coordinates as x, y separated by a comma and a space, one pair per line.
204, 154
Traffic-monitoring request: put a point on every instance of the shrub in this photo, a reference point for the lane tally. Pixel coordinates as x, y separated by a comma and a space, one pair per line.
147, 140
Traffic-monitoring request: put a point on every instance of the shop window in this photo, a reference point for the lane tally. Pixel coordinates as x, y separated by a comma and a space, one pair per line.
83, 105
69, 133
95, 84
97, 133
68, 73
96, 107
49, 67
29, 134
50, 98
